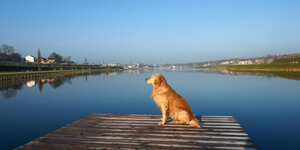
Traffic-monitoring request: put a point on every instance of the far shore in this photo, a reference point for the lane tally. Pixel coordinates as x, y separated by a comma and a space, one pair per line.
52, 71
258, 69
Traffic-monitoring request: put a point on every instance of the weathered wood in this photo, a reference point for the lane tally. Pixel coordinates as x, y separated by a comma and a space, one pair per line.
135, 131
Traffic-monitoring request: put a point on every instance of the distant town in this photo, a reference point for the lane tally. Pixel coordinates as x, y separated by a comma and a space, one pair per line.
8, 56
209, 64
234, 61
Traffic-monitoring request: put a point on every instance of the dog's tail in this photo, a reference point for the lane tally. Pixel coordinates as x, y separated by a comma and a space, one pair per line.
195, 122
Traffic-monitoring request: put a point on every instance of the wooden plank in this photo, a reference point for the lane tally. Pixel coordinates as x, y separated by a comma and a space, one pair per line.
137, 131
112, 130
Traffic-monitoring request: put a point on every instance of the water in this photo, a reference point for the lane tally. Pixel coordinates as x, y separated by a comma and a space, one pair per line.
266, 106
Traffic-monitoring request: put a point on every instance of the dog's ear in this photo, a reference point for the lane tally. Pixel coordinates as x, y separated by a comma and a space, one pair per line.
160, 80
163, 80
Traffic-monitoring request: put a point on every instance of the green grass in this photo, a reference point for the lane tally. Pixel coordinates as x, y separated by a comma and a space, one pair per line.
285, 67
265, 66
286, 61
291, 63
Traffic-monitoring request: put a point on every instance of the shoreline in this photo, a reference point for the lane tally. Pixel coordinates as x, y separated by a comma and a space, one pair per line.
259, 69
43, 74
55, 71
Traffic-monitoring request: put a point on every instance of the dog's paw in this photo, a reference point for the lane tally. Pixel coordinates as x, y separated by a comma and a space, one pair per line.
161, 123
195, 123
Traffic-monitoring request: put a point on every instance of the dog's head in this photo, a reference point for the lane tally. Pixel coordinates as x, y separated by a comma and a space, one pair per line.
156, 79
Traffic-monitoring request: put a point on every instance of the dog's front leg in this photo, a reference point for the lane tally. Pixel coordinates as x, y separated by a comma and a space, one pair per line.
164, 115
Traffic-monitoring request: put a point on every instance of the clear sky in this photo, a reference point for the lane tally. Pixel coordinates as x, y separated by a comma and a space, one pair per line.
151, 31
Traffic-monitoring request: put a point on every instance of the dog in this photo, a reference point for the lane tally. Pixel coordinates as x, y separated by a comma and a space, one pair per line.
171, 103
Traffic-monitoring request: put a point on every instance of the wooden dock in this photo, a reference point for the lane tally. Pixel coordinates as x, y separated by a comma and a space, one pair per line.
134, 131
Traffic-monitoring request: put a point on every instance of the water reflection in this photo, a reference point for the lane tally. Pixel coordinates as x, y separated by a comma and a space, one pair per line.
268, 74
9, 88
138, 71
30, 83
291, 75
236, 74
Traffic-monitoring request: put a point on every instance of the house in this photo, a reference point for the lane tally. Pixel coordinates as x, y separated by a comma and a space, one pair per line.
269, 60
30, 58
30, 83
246, 62
225, 63
205, 65
47, 60
50, 61
258, 61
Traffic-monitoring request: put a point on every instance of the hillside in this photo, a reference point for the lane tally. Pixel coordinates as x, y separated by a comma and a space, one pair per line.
284, 63
288, 59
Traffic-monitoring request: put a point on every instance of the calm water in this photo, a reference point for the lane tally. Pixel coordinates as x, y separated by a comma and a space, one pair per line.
267, 107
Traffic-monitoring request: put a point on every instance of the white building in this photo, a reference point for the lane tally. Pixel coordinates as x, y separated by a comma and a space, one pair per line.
225, 63
270, 60
246, 62
29, 58
30, 83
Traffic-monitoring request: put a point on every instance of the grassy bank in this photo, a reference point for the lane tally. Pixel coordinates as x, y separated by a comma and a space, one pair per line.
292, 75
10, 66
34, 73
288, 63
260, 68
286, 67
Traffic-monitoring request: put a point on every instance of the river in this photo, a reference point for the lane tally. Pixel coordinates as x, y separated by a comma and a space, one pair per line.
267, 106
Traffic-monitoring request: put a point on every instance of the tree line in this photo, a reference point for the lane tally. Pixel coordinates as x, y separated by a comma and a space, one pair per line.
7, 53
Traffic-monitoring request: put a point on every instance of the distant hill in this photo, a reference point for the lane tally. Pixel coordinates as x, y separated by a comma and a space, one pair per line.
297, 55
269, 59
288, 59
283, 63
274, 61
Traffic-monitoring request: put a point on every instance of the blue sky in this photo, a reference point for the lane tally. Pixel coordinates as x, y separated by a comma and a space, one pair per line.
151, 31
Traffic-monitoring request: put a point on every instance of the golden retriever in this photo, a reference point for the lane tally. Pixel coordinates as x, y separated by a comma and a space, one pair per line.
171, 103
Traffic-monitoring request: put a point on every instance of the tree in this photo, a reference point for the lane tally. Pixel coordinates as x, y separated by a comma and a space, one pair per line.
39, 61
15, 57
56, 57
68, 59
57, 82
7, 53
6, 49
3, 56
10, 90
40, 85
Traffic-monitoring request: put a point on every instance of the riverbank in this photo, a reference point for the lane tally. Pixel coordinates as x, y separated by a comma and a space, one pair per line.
262, 67
287, 73
259, 69
10, 66
284, 64
33, 74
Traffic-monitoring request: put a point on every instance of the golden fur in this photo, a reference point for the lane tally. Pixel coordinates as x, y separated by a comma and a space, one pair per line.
171, 103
